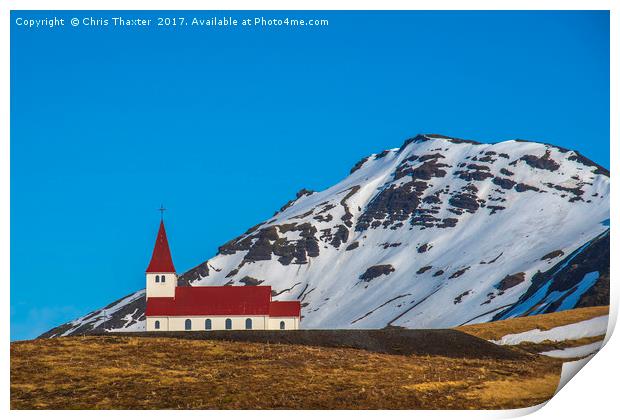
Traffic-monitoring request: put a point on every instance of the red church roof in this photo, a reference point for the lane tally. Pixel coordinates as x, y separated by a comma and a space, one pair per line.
221, 300
287, 308
161, 261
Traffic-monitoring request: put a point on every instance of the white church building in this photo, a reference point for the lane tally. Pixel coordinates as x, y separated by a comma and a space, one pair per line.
203, 308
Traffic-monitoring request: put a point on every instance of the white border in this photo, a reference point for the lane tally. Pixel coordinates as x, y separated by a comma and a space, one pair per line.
592, 395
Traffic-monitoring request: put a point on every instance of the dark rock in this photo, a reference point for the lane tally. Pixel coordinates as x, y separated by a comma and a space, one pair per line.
261, 250
303, 215
392, 205
427, 170
352, 246
323, 219
387, 245
505, 183
575, 190
376, 271
424, 269
478, 167
495, 209
300, 193
420, 138
576, 156
459, 273
487, 159
461, 296
473, 175
358, 165
250, 281
196, 273
434, 156
520, 187
510, 281
303, 192
336, 238
447, 222
431, 199
382, 154
346, 218
423, 248
552, 255
465, 201
542, 162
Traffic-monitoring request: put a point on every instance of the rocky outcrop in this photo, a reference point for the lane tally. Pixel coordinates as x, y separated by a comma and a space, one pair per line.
376, 271
510, 280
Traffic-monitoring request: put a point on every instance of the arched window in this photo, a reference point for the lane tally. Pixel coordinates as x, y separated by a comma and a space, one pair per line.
282, 325
228, 324
156, 325
163, 278
208, 324
188, 324
248, 324
156, 279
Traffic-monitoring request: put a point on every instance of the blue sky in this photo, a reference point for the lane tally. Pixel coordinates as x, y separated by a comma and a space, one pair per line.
223, 126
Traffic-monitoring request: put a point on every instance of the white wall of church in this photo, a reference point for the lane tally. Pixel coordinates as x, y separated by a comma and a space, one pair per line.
290, 323
217, 322
151, 320
198, 323
160, 288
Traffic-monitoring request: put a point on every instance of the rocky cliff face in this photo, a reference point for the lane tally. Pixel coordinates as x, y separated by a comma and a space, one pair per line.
437, 233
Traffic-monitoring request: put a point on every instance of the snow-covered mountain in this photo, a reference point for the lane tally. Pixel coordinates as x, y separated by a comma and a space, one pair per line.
437, 233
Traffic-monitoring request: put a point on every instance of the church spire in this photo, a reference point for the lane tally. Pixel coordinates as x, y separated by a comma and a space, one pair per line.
161, 261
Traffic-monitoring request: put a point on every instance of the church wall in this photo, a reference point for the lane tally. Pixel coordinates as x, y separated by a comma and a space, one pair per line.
219, 323
290, 323
150, 323
159, 289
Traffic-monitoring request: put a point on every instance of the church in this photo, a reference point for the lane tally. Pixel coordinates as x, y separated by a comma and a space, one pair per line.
170, 307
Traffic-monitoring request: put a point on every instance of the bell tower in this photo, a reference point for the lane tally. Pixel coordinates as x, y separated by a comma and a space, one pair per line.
161, 277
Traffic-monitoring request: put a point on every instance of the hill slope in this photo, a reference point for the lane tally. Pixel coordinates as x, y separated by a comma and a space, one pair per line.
139, 373
437, 233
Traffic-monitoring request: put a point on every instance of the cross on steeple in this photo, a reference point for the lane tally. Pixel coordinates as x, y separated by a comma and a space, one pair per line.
162, 210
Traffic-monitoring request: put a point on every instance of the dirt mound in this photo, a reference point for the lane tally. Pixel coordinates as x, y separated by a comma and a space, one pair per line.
447, 343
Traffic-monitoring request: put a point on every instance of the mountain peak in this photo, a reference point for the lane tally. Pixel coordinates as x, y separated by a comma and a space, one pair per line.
437, 233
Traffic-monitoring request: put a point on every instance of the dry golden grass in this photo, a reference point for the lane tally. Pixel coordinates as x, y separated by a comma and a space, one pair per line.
148, 373
498, 329
557, 345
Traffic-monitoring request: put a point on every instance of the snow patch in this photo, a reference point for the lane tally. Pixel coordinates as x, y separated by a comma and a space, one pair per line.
589, 328
575, 352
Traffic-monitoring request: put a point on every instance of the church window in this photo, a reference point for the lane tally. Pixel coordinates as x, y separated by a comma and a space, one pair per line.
156, 279
282, 325
156, 325
248, 324
188, 324
228, 324
208, 324
163, 279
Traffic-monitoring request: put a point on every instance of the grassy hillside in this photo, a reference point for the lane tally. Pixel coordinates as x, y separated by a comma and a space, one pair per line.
126, 372
393, 372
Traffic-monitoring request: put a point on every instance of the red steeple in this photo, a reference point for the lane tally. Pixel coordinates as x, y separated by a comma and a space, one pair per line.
161, 261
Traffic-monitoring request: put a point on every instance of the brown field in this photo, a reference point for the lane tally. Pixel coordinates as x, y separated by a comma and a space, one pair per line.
498, 329
129, 372
146, 373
